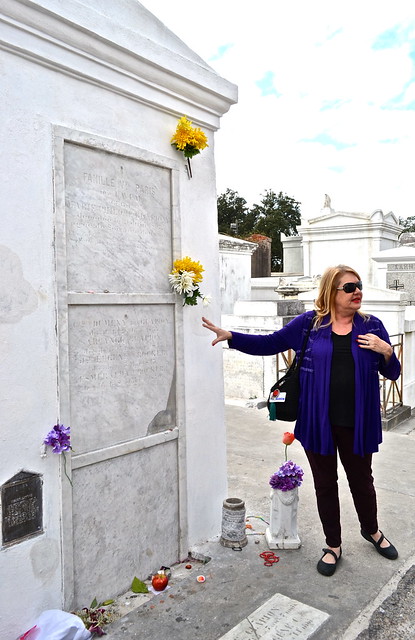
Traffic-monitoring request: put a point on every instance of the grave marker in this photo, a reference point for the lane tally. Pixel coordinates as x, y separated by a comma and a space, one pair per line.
21, 501
280, 618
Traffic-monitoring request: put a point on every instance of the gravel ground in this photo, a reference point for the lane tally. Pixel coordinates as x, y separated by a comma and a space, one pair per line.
394, 619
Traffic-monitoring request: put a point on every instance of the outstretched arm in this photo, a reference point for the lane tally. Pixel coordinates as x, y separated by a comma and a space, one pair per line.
221, 334
291, 336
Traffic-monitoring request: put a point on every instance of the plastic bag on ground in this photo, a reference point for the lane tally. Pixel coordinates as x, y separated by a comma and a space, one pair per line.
57, 625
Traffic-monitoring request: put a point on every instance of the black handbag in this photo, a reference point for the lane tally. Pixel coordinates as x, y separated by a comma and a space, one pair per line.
285, 393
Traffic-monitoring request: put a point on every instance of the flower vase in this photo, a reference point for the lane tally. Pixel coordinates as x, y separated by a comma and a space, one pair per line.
282, 531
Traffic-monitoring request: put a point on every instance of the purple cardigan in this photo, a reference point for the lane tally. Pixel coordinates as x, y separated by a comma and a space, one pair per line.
313, 428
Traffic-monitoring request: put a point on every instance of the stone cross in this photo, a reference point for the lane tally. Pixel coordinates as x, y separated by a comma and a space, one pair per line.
396, 285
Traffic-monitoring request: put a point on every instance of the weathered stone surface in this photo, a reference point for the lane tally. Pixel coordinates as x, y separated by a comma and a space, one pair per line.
118, 222
279, 618
290, 307
401, 277
126, 520
121, 369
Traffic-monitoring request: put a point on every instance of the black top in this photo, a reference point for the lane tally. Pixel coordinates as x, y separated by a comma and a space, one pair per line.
341, 405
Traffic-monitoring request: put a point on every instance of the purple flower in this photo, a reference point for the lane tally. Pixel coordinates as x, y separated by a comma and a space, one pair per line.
59, 438
288, 476
96, 629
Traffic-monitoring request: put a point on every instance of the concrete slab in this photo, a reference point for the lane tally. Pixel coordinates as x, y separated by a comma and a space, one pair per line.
279, 618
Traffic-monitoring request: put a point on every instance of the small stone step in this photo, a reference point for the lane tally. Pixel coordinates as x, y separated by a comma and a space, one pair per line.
396, 417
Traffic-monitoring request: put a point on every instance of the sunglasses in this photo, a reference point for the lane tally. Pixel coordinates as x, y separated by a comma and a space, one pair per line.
350, 287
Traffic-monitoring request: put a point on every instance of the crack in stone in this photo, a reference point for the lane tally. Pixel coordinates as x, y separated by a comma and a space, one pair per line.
253, 629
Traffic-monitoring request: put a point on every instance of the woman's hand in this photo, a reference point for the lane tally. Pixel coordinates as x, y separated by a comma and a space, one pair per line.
221, 334
370, 341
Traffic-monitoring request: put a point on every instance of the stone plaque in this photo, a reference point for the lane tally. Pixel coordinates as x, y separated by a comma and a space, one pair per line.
118, 222
280, 618
21, 502
121, 371
400, 277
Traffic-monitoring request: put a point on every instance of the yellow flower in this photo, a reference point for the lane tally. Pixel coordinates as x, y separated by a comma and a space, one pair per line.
199, 139
184, 123
188, 137
183, 133
180, 139
187, 264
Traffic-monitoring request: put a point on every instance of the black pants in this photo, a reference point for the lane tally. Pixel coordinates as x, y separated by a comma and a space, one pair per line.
359, 475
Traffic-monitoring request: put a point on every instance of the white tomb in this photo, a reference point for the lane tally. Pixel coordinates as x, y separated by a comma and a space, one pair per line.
337, 237
96, 205
235, 270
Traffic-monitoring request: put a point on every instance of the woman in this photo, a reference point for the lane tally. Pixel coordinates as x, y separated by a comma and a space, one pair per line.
339, 407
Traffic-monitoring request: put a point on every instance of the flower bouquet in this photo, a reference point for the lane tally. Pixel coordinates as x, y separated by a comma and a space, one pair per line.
289, 475
96, 616
190, 140
59, 438
282, 531
185, 278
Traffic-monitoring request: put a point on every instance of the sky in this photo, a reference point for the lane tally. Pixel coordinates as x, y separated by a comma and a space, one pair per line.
326, 97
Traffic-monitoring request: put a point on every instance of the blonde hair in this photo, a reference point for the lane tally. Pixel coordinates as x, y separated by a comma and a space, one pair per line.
324, 303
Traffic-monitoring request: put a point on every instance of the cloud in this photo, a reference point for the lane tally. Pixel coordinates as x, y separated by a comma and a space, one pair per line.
394, 37
325, 139
405, 100
329, 87
266, 84
221, 51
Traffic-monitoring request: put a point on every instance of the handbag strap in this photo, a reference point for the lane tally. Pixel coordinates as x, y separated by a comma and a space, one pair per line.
303, 348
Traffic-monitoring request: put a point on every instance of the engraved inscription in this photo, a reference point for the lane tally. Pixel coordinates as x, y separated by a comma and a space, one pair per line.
20, 510
280, 618
402, 266
118, 222
21, 499
121, 360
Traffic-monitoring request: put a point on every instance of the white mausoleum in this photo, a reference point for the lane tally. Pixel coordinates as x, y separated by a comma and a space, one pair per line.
96, 205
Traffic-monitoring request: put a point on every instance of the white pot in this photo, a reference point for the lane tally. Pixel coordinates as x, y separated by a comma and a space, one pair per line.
282, 531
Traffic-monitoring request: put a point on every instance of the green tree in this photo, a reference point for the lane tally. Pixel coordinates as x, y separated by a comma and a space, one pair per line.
276, 214
232, 211
408, 224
